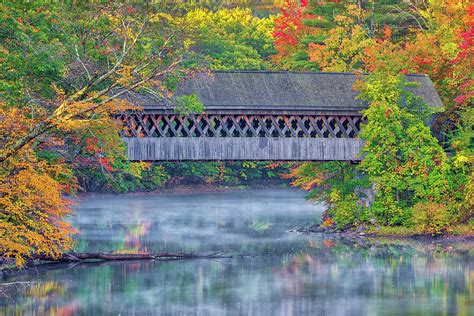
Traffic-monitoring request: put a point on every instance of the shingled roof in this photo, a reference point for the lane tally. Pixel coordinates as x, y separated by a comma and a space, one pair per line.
285, 91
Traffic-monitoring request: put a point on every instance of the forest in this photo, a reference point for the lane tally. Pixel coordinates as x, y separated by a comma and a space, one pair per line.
65, 65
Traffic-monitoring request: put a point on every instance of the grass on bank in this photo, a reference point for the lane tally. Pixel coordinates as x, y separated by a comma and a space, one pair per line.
466, 230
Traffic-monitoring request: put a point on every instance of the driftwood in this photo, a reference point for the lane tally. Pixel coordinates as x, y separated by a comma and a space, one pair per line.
79, 259
84, 256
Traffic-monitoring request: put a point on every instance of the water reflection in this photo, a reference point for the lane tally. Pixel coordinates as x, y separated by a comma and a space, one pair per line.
237, 221
296, 275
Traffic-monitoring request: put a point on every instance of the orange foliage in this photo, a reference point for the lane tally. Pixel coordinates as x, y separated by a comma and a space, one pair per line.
304, 178
328, 222
34, 210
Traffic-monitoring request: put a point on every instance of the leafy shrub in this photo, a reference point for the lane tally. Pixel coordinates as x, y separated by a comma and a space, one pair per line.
155, 177
344, 210
387, 211
430, 218
462, 168
402, 158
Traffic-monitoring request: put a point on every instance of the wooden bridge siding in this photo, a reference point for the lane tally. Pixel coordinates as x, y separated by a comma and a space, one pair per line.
242, 148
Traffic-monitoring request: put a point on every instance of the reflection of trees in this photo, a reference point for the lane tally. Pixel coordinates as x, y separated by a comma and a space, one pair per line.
291, 274
38, 297
45, 289
420, 279
132, 240
315, 279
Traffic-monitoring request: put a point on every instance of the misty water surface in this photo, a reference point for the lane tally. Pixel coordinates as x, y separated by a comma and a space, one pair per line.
274, 271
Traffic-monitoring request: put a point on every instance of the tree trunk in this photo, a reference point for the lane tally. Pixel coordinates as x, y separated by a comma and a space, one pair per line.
78, 257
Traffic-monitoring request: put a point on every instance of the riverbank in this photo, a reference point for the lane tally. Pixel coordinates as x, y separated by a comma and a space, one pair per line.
213, 188
179, 189
454, 234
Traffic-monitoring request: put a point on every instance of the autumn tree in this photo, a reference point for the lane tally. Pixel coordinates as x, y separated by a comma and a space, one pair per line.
343, 47
401, 157
461, 142
228, 39
104, 66
55, 85
287, 32
434, 38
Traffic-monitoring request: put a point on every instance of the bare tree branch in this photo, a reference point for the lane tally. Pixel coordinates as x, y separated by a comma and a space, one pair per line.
82, 63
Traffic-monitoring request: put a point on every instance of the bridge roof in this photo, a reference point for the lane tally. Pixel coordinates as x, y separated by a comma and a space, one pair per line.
281, 91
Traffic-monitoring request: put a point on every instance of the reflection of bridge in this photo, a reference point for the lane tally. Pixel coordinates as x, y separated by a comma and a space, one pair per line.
254, 115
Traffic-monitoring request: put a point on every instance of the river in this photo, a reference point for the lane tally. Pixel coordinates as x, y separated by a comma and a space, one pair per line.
273, 271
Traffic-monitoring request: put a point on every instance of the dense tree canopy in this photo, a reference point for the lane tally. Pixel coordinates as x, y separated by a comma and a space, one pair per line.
230, 38
405, 163
60, 83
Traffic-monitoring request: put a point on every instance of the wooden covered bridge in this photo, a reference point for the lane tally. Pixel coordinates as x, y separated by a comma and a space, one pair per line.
257, 115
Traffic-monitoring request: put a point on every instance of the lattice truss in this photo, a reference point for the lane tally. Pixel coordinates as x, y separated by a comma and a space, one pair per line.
175, 125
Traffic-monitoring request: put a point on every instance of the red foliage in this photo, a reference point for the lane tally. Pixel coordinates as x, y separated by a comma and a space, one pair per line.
92, 145
105, 162
288, 25
468, 37
465, 58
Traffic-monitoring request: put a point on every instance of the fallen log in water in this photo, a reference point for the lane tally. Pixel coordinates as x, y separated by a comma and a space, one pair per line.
87, 259
98, 256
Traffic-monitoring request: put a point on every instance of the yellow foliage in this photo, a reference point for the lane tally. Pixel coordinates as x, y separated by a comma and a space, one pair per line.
33, 209
430, 218
343, 50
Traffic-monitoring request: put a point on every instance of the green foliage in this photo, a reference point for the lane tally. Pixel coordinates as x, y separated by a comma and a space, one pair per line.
413, 182
462, 168
188, 104
345, 210
252, 172
30, 46
230, 38
229, 173
192, 172
151, 178
401, 157
338, 185
431, 218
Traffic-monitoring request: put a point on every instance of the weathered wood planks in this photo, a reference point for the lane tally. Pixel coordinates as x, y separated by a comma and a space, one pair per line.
242, 148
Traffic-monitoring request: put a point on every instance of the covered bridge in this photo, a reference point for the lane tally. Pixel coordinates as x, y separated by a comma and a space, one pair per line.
257, 115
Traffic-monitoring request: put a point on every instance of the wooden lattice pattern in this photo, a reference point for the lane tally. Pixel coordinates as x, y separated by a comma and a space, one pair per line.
175, 125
